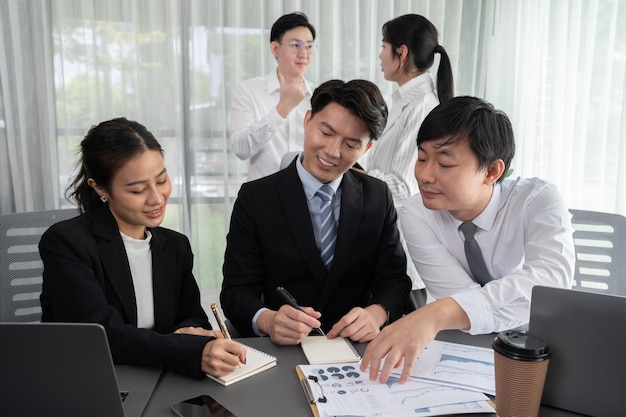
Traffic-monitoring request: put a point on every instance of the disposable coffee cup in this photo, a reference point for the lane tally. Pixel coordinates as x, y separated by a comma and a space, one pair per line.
521, 363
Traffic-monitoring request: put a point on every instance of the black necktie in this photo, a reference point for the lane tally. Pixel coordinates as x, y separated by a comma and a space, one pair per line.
474, 255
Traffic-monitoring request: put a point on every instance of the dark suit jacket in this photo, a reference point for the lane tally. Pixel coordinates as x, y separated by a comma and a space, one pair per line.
87, 278
271, 243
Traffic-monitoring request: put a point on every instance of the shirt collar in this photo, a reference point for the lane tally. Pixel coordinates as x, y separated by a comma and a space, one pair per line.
310, 183
487, 217
272, 82
402, 91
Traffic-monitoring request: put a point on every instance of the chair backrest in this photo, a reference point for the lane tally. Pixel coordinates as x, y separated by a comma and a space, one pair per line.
20, 265
600, 240
288, 159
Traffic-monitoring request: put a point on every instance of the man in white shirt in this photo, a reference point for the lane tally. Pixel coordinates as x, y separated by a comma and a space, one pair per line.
523, 231
268, 111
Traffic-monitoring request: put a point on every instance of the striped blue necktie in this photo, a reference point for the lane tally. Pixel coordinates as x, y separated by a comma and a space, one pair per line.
328, 229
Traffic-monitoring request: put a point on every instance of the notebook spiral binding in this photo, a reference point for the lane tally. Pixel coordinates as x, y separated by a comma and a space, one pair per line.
353, 348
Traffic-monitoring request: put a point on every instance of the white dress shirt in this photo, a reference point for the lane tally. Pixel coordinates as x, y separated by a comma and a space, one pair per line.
258, 132
525, 235
392, 158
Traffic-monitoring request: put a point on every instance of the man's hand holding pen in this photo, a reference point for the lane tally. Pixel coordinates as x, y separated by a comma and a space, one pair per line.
288, 326
291, 323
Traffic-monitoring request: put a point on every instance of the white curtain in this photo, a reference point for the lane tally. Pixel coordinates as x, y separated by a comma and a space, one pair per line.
558, 69
555, 66
28, 163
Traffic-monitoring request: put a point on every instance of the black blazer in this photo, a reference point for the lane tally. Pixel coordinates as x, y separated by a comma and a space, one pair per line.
87, 278
271, 243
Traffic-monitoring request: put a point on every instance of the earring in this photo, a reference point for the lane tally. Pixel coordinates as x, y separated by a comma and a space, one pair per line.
103, 199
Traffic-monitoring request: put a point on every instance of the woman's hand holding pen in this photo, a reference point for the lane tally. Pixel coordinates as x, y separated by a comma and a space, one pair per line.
221, 356
288, 326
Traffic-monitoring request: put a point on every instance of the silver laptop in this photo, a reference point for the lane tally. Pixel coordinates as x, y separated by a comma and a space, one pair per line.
63, 369
586, 332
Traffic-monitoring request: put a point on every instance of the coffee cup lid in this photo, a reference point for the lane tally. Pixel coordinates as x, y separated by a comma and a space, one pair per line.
521, 345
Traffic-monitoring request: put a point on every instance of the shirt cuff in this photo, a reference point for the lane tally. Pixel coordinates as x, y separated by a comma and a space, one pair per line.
478, 311
255, 329
274, 118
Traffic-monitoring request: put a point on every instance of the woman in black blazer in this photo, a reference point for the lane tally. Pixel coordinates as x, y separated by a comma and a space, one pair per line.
115, 266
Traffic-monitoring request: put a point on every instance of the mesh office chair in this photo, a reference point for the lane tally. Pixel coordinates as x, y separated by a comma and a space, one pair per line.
20, 264
600, 241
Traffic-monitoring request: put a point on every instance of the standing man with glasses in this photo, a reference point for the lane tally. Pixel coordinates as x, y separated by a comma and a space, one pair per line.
323, 231
267, 111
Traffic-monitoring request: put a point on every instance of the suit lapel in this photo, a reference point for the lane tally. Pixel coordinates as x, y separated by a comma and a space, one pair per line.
113, 257
349, 221
293, 200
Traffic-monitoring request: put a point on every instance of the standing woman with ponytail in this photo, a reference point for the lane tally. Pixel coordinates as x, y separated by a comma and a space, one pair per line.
114, 265
409, 47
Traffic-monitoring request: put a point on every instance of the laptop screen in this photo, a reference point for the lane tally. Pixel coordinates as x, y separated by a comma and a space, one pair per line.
586, 334
58, 369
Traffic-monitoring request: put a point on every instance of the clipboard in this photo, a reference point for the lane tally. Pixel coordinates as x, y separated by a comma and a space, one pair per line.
308, 393
319, 400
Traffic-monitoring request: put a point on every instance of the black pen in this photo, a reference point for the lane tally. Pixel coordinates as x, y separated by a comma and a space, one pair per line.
292, 302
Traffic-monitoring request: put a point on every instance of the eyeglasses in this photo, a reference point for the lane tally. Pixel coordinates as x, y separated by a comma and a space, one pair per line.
297, 45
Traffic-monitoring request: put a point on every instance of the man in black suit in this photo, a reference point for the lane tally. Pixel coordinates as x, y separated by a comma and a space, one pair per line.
275, 232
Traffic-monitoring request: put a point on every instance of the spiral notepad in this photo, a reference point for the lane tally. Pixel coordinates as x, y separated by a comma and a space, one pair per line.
320, 350
256, 361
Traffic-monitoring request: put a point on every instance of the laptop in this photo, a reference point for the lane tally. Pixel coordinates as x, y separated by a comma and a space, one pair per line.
65, 369
586, 333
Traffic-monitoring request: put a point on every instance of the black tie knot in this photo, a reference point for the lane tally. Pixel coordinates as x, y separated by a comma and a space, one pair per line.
468, 229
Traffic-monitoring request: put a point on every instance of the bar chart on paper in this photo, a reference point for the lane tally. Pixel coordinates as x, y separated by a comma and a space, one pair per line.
461, 366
